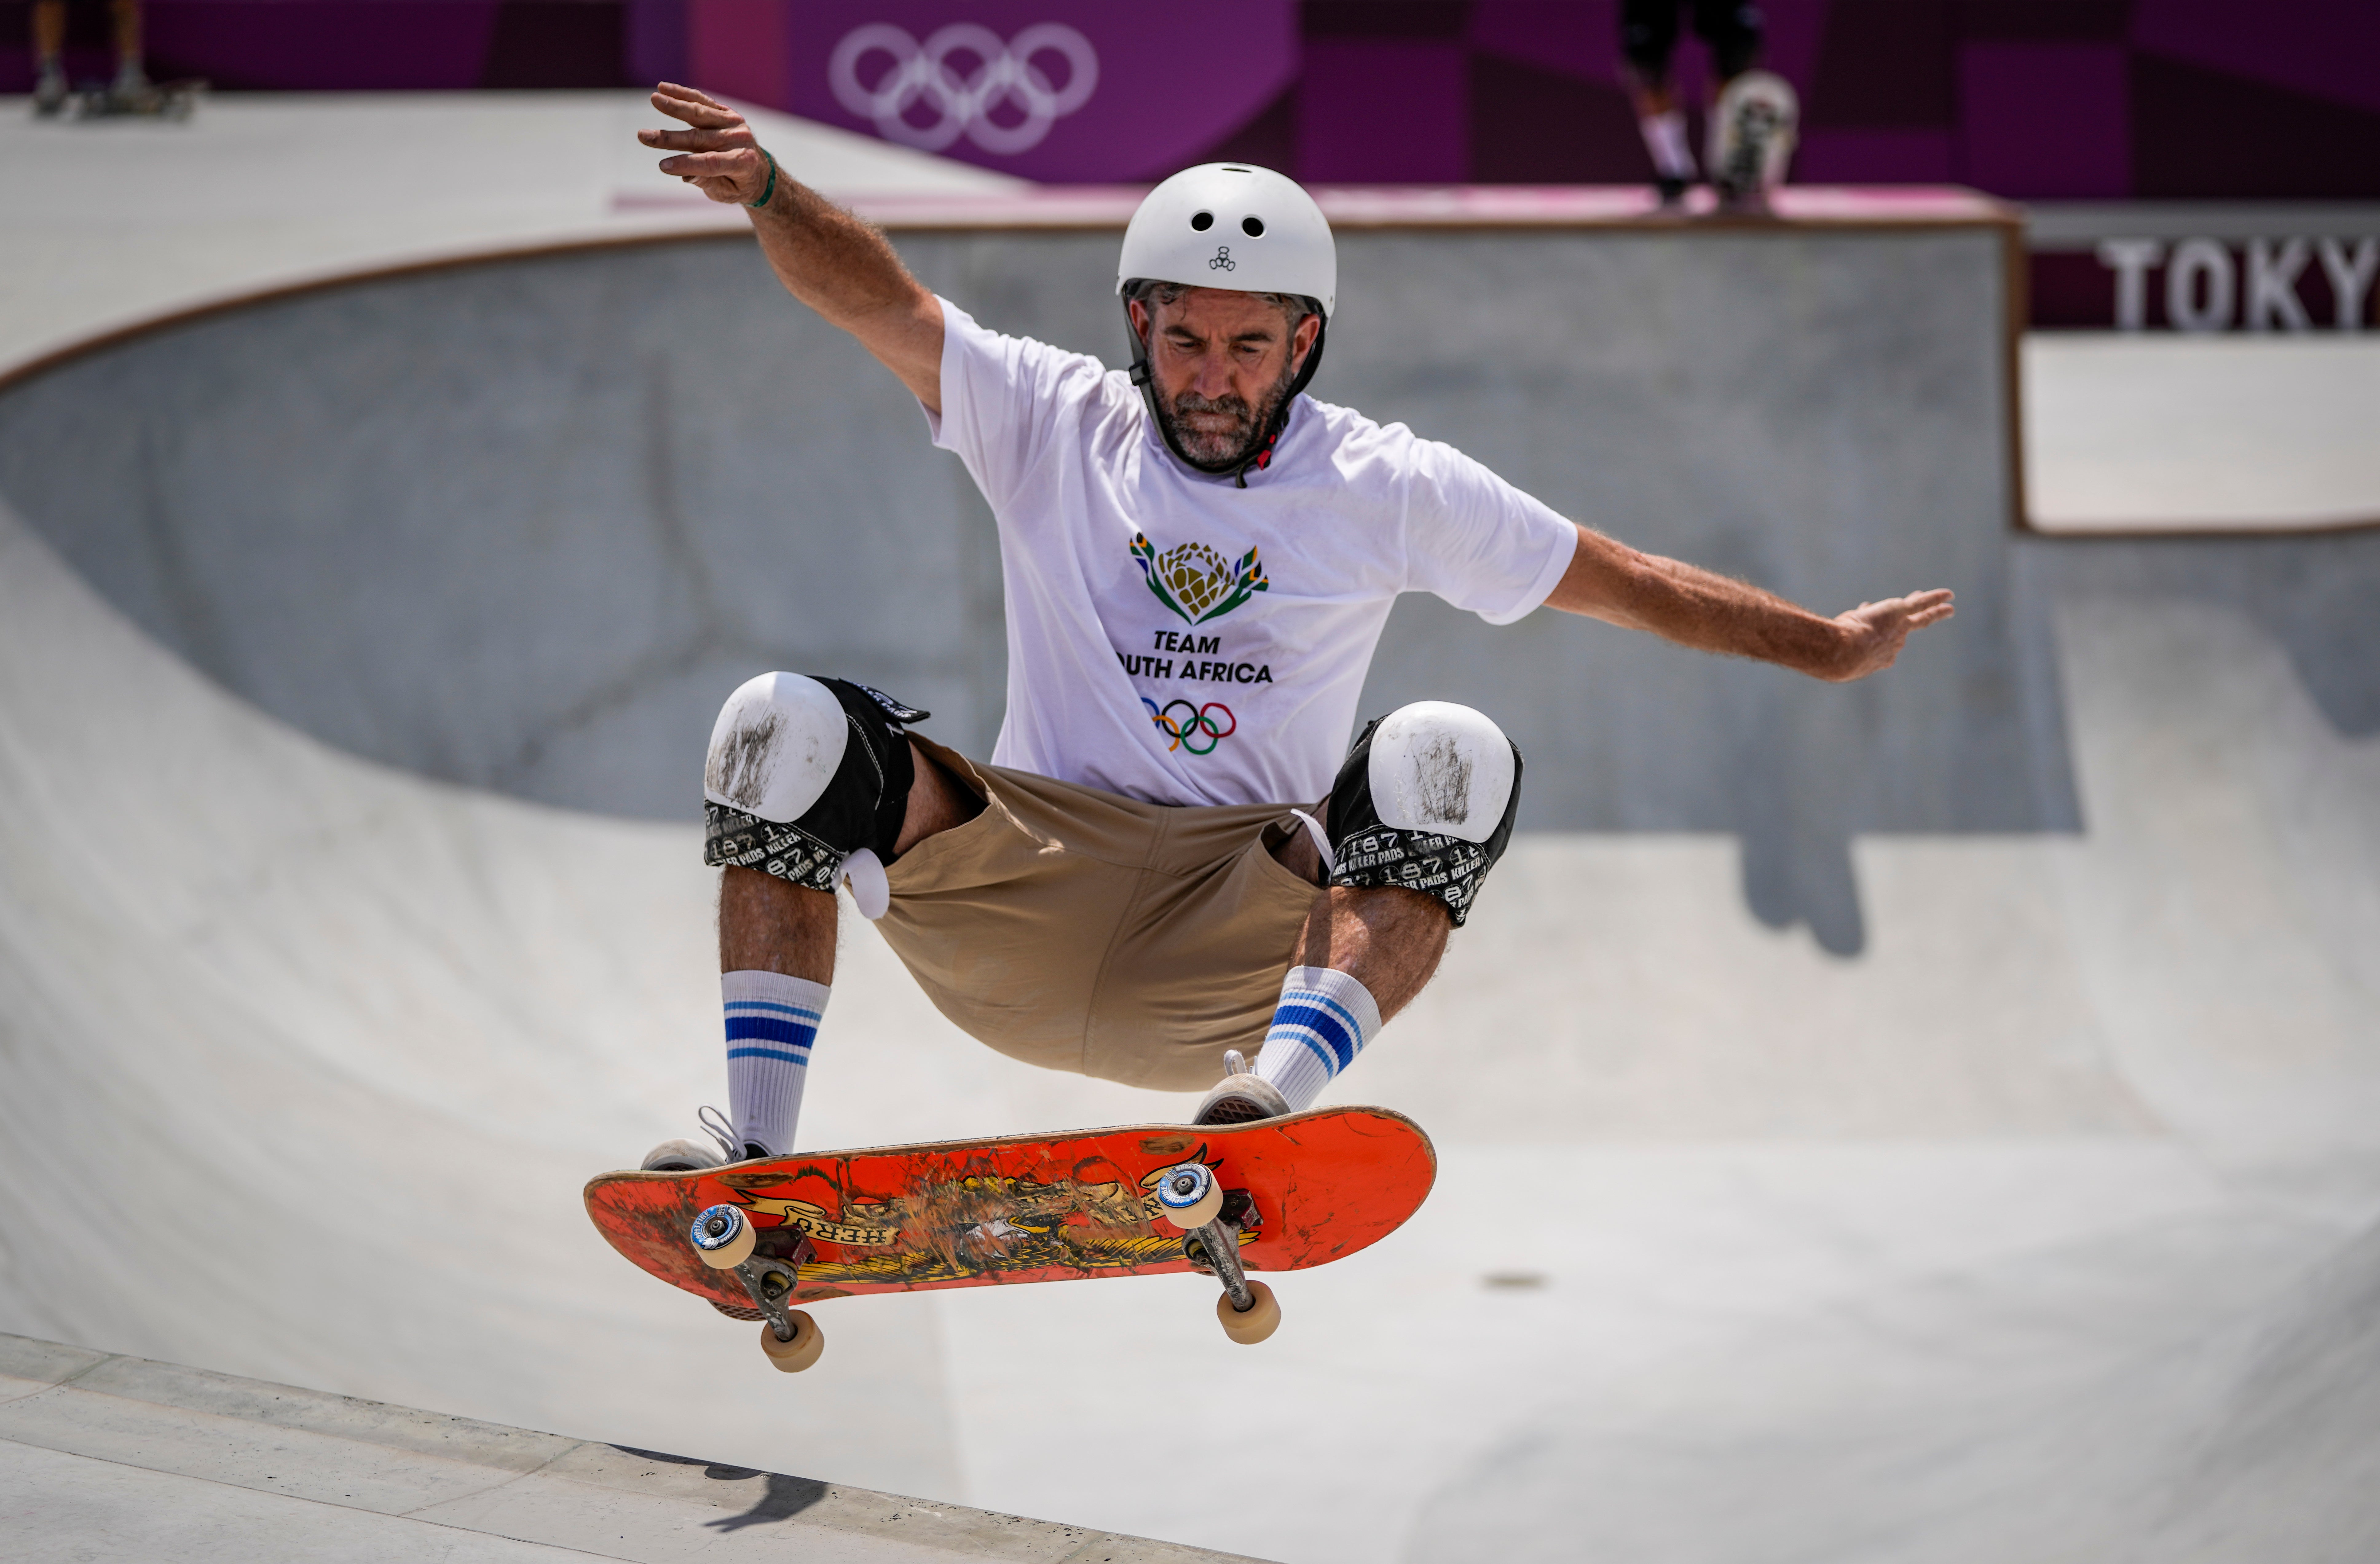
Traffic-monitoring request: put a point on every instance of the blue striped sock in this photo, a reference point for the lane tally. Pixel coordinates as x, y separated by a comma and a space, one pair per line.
771, 1020
1324, 1020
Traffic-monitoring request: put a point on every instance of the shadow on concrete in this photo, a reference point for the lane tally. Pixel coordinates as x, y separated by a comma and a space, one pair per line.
782, 1498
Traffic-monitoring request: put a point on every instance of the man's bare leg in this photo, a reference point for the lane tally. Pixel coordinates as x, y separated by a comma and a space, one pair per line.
776, 965
768, 925
1361, 956
1366, 950
1388, 939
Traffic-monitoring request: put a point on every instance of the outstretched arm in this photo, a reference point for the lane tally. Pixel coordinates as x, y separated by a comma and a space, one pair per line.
1610, 581
826, 258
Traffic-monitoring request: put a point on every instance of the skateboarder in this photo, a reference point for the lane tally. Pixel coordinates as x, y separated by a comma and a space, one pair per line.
1168, 856
1733, 30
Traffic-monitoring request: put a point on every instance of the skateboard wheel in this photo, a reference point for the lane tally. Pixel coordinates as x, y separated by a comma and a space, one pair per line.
1261, 1320
801, 1351
1189, 1195
723, 1239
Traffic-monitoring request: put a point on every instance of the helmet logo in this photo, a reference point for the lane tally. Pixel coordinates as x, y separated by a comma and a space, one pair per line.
1222, 262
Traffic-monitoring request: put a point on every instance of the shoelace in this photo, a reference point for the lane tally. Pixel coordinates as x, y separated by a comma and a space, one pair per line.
715, 1125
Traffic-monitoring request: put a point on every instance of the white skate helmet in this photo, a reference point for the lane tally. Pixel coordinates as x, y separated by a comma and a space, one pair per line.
1233, 226
1237, 226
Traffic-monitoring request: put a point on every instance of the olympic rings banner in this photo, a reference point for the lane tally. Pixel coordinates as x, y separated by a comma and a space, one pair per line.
1049, 90
996, 74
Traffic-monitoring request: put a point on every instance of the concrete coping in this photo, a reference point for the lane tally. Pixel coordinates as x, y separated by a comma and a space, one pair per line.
308, 1447
1099, 207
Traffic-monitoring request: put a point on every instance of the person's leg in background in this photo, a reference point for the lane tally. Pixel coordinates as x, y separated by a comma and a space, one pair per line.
50, 88
1648, 37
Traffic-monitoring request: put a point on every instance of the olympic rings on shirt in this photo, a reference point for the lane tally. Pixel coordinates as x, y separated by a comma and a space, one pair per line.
1197, 719
962, 104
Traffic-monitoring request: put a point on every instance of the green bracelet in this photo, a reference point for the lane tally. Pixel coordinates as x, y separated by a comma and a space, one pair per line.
772, 181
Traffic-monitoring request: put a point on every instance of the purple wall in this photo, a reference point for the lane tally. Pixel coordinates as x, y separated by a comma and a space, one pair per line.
2045, 99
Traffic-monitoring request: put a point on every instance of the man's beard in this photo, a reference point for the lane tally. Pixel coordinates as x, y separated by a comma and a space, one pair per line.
1228, 431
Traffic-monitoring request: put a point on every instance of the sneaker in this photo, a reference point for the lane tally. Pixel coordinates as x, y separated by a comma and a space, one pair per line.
696, 1156
1241, 1096
50, 94
1671, 191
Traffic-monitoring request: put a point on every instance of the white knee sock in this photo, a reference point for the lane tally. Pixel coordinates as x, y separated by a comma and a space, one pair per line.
771, 1020
1324, 1020
1665, 137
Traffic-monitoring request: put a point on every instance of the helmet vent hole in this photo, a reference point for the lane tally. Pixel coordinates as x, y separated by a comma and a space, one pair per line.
1252, 227
1202, 221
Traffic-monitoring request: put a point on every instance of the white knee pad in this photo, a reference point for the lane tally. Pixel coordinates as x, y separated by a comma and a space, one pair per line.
808, 779
1426, 802
778, 743
1442, 768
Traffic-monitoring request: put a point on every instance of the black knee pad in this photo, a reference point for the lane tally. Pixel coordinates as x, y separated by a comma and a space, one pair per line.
1426, 802
802, 773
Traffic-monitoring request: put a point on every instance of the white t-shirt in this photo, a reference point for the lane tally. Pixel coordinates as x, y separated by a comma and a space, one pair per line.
1178, 640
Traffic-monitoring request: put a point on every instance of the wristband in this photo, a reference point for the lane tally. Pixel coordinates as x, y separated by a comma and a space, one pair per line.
771, 189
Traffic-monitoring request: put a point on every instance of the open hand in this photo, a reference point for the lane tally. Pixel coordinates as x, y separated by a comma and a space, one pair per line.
1876, 630
718, 156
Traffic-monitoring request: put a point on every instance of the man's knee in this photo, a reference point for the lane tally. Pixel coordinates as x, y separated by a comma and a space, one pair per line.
1425, 802
802, 773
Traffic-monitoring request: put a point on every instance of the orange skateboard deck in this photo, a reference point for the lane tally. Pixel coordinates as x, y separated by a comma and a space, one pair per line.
1293, 1192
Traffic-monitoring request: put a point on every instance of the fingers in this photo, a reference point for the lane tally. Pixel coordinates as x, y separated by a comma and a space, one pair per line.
1911, 612
695, 108
710, 165
1921, 609
691, 94
697, 140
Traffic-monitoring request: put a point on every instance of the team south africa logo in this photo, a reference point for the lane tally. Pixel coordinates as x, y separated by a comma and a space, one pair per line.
1197, 584
1194, 581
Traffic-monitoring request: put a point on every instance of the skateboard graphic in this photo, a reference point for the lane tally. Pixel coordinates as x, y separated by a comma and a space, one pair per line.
1753, 128
753, 1239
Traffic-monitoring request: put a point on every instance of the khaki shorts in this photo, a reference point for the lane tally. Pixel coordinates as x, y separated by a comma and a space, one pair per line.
1079, 931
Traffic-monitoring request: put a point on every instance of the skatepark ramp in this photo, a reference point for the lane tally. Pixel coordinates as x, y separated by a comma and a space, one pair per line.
110, 1456
1928, 1120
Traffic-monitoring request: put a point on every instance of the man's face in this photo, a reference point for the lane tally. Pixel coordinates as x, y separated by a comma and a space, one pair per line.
1220, 363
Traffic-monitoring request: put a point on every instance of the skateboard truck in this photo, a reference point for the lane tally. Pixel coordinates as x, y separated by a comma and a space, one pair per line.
725, 1240
1209, 1216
